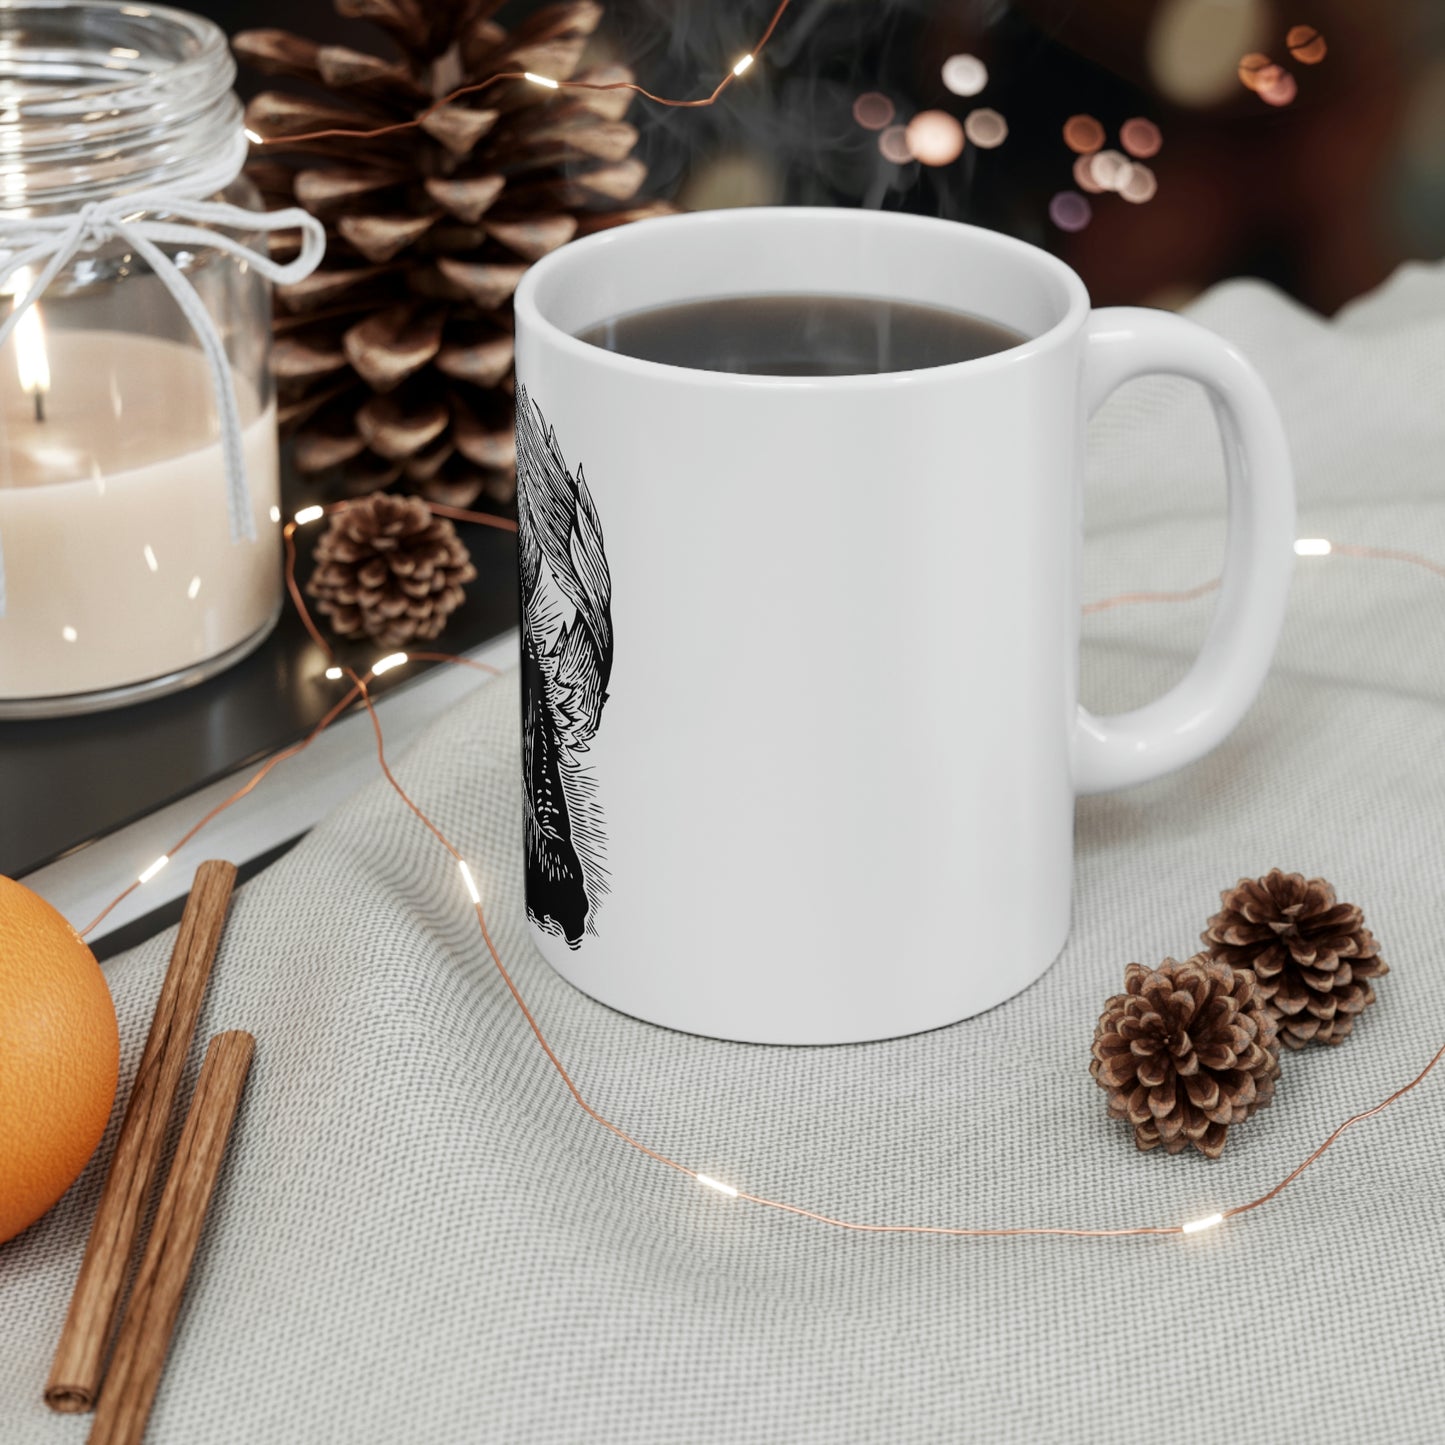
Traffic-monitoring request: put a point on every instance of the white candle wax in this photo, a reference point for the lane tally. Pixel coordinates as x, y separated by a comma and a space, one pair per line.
119, 562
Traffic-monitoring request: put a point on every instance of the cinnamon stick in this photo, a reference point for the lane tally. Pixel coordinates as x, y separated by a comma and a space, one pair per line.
75, 1372
155, 1300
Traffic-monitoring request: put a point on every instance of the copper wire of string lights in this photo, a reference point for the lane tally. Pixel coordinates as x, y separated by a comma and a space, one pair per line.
360, 690
545, 81
1304, 547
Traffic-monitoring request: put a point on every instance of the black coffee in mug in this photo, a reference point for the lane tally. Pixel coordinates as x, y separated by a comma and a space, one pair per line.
801, 335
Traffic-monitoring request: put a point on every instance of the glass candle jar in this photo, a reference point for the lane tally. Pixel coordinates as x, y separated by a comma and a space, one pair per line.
126, 575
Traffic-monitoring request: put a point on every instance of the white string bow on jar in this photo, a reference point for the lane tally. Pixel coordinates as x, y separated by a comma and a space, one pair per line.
52, 242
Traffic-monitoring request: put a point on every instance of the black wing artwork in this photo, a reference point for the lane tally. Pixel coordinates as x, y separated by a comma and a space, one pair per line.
566, 665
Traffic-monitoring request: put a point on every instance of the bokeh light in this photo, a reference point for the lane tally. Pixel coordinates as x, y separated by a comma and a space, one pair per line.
1084, 175
1070, 211
1193, 47
1252, 66
894, 145
873, 111
1083, 134
965, 74
1110, 170
1306, 44
1140, 185
1279, 88
1140, 138
1266, 76
934, 137
985, 128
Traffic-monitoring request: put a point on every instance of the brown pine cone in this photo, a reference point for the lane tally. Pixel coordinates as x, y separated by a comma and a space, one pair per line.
388, 570
393, 361
1314, 957
1185, 1051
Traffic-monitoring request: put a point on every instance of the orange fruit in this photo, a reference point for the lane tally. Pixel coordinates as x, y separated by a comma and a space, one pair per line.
59, 1056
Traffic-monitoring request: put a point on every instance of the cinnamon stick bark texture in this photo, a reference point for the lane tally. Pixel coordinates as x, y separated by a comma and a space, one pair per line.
155, 1301
79, 1363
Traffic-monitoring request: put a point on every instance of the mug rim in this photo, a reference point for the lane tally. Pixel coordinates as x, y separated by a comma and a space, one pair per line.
529, 311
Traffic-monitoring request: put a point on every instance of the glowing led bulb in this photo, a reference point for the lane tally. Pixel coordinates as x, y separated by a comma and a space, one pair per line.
385, 664
309, 514
1195, 1226
1312, 547
742, 64
155, 868
717, 1184
333, 674
541, 80
256, 140
469, 880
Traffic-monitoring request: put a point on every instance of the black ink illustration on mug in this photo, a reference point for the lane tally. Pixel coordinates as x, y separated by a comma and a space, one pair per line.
566, 665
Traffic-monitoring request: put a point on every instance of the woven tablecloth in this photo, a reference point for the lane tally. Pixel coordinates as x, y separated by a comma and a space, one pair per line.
420, 1238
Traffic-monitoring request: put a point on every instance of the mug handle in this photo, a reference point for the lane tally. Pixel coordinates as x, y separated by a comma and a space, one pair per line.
1200, 711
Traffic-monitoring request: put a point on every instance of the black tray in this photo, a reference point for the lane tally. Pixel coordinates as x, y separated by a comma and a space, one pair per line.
67, 781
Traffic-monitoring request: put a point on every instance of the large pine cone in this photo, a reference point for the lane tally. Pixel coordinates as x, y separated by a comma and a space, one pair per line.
394, 360
1313, 956
1187, 1050
388, 570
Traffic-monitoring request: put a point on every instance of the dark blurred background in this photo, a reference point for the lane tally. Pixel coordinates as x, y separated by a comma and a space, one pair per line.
1319, 166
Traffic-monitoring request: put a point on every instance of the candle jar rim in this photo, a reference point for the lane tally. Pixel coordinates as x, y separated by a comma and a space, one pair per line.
104, 97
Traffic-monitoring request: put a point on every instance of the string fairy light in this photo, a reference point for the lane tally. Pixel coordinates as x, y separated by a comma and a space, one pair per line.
472, 890
1198, 1226
359, 691
709, 1182
146, 874
547, 82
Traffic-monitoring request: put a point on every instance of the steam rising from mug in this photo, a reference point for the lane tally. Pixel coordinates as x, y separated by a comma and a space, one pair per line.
791, 136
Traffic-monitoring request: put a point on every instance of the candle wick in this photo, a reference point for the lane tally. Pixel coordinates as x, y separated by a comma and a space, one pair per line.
39, 403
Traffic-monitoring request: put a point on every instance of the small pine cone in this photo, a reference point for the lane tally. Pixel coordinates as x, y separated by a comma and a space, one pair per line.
1185, 1051
388, 570
1313, 957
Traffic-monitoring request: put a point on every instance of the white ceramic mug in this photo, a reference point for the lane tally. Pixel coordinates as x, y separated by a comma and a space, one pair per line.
800, 654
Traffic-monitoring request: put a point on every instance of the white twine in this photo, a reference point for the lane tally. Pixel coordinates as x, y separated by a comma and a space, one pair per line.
52, 242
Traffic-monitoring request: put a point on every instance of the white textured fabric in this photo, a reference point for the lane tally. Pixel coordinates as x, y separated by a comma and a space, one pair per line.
418, 1236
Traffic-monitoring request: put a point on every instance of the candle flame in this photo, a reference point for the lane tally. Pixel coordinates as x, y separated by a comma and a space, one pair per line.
31, 358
